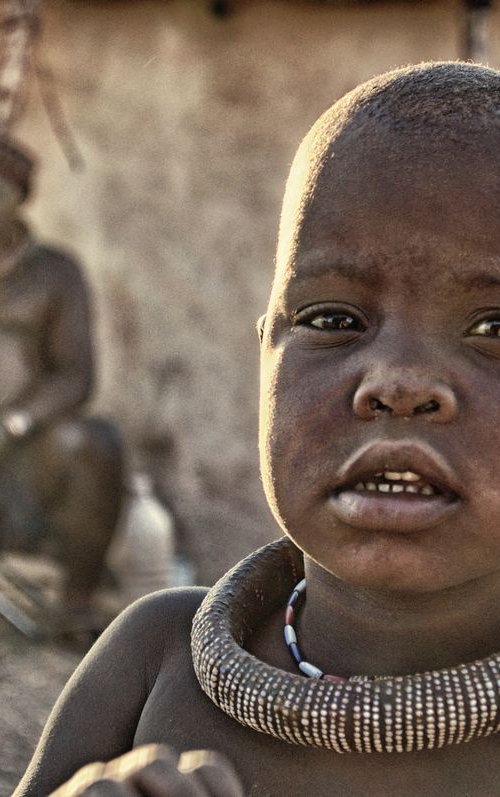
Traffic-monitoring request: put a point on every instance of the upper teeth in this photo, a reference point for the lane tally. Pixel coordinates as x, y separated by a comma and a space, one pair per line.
405, 476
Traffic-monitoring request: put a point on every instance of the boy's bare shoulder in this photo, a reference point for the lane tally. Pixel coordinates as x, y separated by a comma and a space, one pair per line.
185, 600
173, 606
150, 635
166, 614
155, 631
157, 625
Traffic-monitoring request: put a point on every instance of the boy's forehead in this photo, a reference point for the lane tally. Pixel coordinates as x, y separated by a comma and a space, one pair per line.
374, 195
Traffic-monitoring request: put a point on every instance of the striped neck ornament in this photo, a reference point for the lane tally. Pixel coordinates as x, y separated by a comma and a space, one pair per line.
358, 714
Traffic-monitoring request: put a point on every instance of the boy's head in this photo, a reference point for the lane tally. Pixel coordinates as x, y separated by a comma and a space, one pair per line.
412, 123
380, 417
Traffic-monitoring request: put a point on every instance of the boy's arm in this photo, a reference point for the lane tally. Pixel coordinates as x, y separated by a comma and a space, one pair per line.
96, 716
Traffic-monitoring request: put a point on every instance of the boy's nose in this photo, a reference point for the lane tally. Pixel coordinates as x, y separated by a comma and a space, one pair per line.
405, 396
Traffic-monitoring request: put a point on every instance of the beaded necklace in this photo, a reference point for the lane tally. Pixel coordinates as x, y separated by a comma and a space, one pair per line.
390, 714
308, 669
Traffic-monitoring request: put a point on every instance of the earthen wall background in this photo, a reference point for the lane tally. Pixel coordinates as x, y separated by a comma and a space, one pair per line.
188, 124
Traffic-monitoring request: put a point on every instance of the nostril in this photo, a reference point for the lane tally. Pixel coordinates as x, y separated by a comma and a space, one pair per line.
404, 395
377, 405
430, 406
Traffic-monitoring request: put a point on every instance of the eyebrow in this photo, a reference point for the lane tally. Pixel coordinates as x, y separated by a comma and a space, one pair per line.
319, 266
316, 267
482, 280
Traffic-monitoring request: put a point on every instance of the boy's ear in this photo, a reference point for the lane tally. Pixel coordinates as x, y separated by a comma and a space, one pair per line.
260, 327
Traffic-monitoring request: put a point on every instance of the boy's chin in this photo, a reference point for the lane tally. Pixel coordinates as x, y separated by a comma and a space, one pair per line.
396, 564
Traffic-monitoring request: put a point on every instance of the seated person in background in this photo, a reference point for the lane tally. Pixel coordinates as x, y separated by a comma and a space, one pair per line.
60, 473
379, 442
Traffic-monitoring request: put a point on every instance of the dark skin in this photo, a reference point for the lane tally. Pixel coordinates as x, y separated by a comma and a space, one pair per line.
60, 483
382, 328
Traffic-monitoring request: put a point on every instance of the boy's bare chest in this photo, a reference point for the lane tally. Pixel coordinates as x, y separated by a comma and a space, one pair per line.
177, 713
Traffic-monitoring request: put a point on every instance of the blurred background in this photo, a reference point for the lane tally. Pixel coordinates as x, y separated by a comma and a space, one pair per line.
187, 114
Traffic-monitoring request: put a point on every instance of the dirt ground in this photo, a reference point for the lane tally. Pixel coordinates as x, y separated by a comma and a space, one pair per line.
32, 675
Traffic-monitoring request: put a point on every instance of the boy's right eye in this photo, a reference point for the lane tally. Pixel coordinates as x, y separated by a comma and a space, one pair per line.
328, 319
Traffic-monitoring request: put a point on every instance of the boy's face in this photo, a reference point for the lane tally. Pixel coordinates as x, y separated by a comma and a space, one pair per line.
381, 355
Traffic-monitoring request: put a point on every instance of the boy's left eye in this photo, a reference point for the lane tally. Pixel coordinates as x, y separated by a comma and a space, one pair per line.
489, 327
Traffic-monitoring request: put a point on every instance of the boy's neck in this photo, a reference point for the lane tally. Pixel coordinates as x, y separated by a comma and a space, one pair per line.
345, 630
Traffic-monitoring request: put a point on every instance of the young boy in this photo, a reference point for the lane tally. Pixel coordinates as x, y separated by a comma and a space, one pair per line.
380, 432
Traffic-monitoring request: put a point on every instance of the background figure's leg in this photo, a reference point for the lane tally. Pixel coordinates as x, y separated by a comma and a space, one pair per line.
84, 509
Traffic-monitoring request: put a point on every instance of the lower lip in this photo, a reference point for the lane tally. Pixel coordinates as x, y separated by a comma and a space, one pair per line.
394, 513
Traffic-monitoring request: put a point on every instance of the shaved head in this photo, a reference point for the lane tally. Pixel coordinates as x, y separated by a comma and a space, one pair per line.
401, 119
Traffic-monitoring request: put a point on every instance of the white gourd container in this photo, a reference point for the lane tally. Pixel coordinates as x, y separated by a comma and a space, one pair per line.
142, 550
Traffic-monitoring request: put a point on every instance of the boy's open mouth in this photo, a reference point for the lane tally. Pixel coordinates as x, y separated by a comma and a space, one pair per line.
391, 482
396, 487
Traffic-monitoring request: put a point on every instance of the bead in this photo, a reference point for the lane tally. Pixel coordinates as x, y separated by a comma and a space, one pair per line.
290, 635
296, 652
310, 670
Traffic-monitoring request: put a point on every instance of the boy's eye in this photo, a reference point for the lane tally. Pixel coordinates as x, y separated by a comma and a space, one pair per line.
490, 327
334, 321
329, 320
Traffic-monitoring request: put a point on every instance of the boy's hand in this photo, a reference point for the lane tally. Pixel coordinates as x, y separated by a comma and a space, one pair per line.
155, 771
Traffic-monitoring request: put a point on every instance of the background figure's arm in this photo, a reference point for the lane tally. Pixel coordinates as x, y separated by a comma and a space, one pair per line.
96, 717
66, 349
